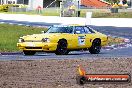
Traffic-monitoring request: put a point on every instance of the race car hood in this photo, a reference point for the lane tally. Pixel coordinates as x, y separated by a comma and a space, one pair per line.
39, 37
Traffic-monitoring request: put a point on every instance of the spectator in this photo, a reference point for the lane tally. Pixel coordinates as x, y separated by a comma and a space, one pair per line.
39, 9
72, 9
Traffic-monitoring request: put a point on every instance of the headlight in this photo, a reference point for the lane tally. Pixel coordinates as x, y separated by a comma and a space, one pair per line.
21, 40
45, 40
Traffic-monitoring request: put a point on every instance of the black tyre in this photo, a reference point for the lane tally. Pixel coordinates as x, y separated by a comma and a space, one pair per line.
29, 52
81, 80
62, 48
96, 47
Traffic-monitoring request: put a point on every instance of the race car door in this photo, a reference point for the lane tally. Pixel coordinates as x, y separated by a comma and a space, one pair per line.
80, 35
89, 36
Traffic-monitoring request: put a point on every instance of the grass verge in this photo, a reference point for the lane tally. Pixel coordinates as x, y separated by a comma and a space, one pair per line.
113, 15
115, 40
9, 35
97, 13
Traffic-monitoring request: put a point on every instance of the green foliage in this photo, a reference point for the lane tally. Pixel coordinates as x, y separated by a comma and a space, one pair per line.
112, 1
4, 8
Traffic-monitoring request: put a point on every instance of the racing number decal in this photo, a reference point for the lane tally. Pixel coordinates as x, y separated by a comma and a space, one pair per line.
81, 40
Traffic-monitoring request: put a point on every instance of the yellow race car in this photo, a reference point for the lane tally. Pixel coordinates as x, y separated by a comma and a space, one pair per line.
61, 39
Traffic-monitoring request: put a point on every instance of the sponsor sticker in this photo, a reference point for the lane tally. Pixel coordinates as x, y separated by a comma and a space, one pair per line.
81, 40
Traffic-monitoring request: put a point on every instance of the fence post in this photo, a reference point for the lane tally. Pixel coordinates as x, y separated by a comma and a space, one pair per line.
88, 18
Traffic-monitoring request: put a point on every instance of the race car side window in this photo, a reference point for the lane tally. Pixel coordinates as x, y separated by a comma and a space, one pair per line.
70, 30
79, 30
60, 30
89, 30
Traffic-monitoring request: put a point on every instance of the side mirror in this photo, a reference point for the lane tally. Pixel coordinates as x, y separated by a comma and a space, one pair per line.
43, 32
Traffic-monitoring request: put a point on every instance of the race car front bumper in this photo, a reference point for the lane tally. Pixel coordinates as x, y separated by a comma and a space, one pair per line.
37, 46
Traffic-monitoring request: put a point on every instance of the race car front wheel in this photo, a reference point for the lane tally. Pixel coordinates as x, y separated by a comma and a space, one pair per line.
62, 48
96, 47
29, 52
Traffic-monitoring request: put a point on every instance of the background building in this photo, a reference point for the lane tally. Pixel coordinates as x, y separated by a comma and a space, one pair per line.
33, 4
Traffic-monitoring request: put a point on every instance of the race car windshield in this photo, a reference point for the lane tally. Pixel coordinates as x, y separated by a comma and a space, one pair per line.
60, 30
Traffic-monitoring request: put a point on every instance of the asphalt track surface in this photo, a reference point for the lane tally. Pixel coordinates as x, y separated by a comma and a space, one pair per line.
114, 31
115, 53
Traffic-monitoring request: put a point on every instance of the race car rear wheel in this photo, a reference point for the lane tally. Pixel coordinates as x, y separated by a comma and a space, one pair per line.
62, 48
96, 47
29, 52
